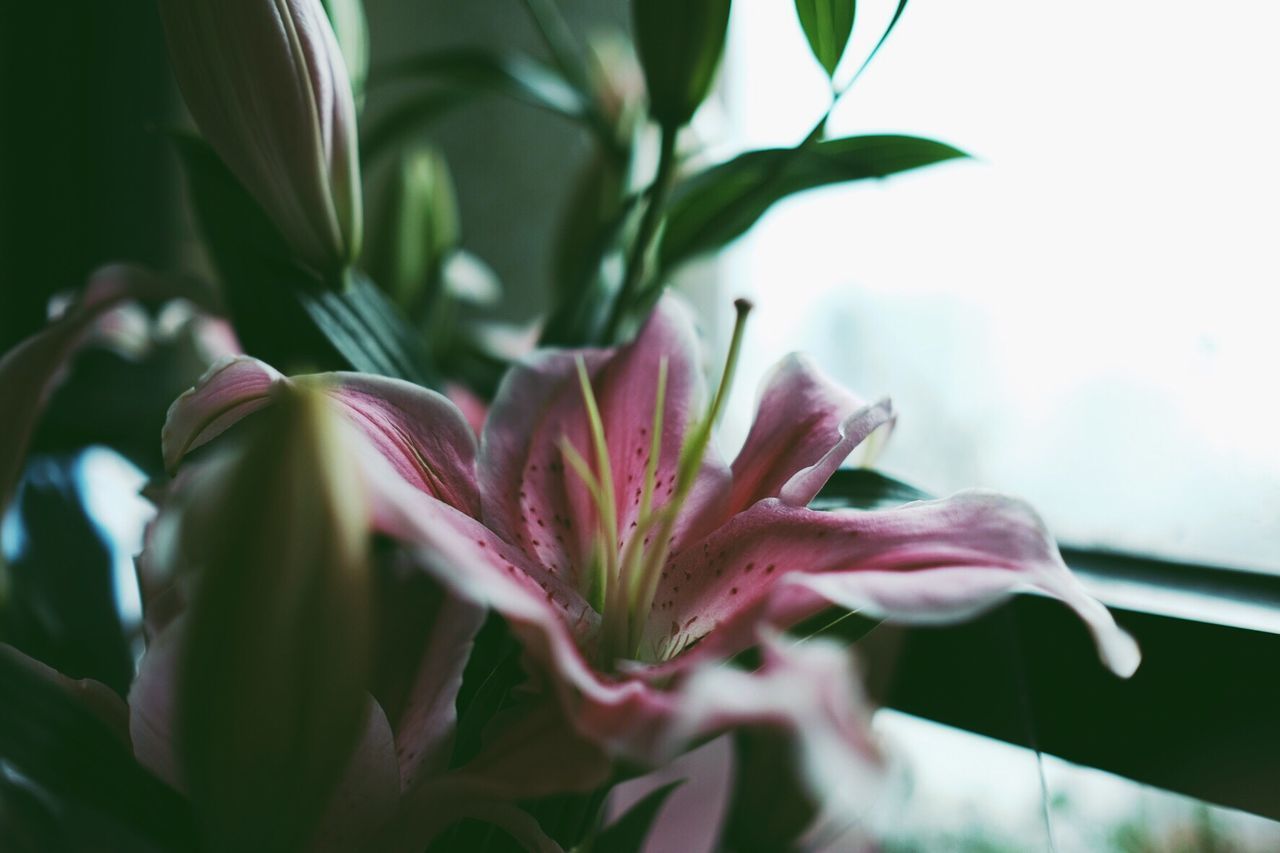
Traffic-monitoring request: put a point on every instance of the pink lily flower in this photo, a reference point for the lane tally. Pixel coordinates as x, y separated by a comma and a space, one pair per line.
631, 562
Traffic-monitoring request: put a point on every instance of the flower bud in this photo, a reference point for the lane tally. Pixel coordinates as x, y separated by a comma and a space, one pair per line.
421, 217
679, 43
267, 85
275, 665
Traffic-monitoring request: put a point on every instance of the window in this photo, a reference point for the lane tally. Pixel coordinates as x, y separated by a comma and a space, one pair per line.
1085, 314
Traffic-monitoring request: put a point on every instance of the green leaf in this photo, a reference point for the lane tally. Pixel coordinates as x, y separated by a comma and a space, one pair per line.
769, 805
888, 30
73, 756
257, 270
456, 75
864, 488
282, 312
679, 43
719, 205
627, 834
409, 114
827, 25
369, 332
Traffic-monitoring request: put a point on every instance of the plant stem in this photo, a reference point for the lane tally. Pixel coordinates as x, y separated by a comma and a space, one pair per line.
659, 190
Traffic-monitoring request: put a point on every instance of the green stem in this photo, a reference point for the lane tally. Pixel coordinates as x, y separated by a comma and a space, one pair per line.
659, 190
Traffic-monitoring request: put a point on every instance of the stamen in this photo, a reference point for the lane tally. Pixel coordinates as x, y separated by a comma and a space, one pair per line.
610, 597
691, 454
595, 578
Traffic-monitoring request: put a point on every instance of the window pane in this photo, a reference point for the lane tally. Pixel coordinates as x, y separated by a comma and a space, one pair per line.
1085, 315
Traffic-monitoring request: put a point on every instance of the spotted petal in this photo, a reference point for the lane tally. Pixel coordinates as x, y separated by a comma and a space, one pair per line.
532, 498
805, 427
924, 563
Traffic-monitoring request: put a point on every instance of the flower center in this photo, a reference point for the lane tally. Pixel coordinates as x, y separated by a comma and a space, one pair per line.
622, 581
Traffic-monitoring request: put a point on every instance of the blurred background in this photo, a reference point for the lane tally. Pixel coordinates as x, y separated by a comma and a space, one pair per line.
1083, 315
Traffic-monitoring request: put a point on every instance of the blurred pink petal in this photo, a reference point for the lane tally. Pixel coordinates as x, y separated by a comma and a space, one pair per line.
30, 371
418, 431
473, 408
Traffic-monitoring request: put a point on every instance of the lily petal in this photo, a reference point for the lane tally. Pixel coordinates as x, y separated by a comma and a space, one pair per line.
369, 793
928, 562
426, 726
151, 706
805, 426
810, 693
531, 498
31, 370
421, 433
229, 391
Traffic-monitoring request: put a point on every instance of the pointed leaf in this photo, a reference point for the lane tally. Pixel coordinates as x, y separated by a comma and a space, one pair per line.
827, 25
715, 207
865, 488
55, 738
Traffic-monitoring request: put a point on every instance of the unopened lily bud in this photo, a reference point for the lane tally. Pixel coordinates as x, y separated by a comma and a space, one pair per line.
680, 43
421, 232
267, 85
274, 672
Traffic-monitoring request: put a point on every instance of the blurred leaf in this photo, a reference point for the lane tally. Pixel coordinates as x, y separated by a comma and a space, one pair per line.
456, 75
582, 308
409, 113
352, 31
679, 43
864, 488
827, 25
28, 823
258, 273
61, 605
627, 834
70, 753
276, 663
888, 30
715, 207
370, 333
597, 194
467, 278
768, 808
